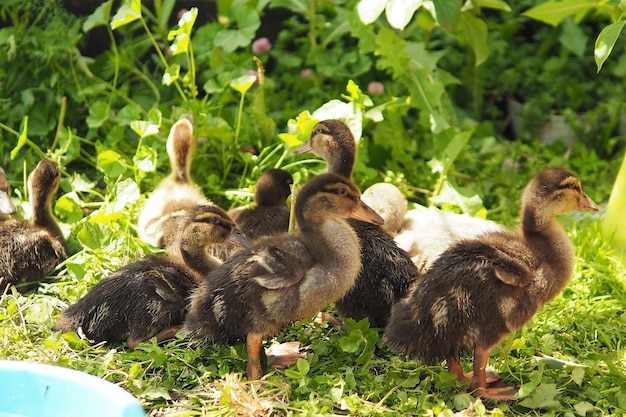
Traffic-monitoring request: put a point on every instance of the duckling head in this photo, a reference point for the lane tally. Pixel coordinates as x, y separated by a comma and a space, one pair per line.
388, 201
180, 147
333, 141
331, 196
208, 224
273, 188
552, 192
6, 205
43, 183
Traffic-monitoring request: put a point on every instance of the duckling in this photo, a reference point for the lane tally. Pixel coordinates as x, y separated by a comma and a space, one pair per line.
6, 205
386, 269
388, 201
29, 251
270, 216
286, 277
148, 298
175, 192
479, 290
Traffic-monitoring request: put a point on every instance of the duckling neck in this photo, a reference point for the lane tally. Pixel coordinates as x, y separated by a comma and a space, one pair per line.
199, 260
42, 217
335, 248
552, 246
342, 164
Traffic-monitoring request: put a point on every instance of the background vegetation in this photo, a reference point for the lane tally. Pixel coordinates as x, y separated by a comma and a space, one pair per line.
451, 100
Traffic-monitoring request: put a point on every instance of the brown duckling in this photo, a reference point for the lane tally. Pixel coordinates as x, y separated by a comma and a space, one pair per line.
286, 277
481, 289
29, 251
6, 205
149, 297
270, 216
386, 269
176, 191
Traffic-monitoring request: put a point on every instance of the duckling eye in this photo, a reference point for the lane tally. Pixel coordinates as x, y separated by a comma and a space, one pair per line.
342, 191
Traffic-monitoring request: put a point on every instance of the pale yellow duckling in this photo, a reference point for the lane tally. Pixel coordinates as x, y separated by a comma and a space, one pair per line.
175, 192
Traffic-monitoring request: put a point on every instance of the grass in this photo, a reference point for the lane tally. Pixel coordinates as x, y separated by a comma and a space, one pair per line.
570, 360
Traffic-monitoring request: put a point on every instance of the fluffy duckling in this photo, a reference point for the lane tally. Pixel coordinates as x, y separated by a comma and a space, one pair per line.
175, 192
427, 232
283, 278
6, 205
386, 269
270, 216
481, 289
148, 298
30, 251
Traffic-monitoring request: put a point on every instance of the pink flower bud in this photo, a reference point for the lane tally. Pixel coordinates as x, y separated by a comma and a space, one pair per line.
181, 12
261, 45
306, 73
375, 88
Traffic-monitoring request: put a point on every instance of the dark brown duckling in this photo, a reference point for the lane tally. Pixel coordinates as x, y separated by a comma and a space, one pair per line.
148, 298
270, 216
386, 269
6, 205
481, 289
29, 251
286, 277
175, 192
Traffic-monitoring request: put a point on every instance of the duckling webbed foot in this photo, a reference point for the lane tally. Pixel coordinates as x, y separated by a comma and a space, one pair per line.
490, 388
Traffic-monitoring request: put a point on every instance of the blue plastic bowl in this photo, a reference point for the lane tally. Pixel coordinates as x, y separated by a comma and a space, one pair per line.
30, 389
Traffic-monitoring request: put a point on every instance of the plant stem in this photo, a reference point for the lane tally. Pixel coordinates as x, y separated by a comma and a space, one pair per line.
162, 57
55, 142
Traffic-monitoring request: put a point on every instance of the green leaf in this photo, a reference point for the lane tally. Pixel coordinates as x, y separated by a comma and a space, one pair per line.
583, 407
182, 35
94, 235
447, 13
111, 163
303, 366
578, 375
98, 114
128, 113
351, 342
606, 41
493, 4
542, 397
392, 52
553, 12
474, 32
449, 195
99, 17
299, 129
68, 207
127, 13
171, 74
145, 128
22, 139
535, 379
573, 37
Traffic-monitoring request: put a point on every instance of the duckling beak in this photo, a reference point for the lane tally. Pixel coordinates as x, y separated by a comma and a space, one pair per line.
237, 238
304, 148
365, 213
587, 204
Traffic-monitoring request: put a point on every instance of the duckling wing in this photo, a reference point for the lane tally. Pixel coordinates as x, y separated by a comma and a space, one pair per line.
511, 263
279, 266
